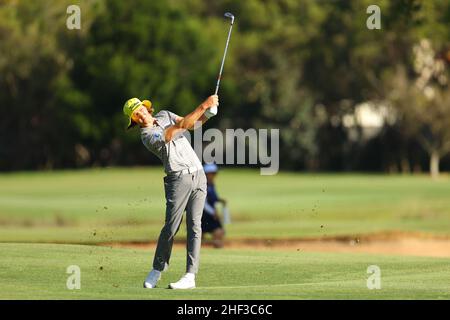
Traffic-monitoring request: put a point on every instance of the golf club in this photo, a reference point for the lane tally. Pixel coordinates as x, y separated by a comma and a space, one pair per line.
230, 16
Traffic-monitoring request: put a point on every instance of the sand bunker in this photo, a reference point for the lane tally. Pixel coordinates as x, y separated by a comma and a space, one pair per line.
392, 243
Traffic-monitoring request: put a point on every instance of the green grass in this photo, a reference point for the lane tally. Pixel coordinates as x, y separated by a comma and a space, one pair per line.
38, 271
99, 205
109, 205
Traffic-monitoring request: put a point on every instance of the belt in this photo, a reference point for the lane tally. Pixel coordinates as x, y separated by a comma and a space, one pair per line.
188, 170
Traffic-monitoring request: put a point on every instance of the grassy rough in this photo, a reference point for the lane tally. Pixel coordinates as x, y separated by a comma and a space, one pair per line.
101, 205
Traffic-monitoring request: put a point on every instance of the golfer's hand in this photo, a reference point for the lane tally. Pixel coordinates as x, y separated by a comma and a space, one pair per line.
212, 101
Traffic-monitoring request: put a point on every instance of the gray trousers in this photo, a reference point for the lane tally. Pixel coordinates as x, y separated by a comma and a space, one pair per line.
183, 192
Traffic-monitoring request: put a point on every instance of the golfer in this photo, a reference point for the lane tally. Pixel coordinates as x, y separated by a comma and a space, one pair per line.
184, 183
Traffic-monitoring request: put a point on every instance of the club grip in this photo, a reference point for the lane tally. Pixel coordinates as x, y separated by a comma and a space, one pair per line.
213, 110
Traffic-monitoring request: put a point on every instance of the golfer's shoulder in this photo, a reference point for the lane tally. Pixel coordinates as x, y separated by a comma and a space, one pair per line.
167, 115
161, 114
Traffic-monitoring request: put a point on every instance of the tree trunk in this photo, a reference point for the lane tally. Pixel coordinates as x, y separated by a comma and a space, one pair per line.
404, 165
434, 164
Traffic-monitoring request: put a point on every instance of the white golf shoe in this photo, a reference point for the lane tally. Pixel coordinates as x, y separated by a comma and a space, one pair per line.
186, 282
152, 279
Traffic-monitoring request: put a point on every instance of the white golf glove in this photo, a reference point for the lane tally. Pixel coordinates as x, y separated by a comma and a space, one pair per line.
211, 112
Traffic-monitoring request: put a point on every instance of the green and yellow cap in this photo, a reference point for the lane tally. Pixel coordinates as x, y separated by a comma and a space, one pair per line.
132, 105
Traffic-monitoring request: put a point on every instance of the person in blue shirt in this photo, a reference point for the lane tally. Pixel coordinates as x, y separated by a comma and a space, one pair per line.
210, 220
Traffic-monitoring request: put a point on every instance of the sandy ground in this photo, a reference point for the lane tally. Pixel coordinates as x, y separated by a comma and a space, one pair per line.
392, 244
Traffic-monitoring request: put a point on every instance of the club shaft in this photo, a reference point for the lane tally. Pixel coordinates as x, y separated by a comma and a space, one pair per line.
223, 59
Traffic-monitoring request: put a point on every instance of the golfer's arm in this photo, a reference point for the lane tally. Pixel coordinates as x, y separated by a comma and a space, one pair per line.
202, 119
186, 123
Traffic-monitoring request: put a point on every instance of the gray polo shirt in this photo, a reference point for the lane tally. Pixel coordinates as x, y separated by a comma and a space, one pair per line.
176, 154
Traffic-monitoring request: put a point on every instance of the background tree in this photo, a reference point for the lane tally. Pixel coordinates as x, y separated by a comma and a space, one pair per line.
299, 66
33, 68
423, 113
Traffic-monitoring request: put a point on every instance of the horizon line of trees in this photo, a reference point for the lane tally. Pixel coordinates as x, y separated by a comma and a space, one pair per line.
297, 65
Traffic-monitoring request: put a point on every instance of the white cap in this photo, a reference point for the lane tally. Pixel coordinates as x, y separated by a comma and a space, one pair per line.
210, 168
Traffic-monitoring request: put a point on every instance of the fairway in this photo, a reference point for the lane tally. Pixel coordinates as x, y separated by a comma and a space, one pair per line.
38, 271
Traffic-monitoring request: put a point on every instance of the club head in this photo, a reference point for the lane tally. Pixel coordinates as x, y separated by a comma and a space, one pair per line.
229, 15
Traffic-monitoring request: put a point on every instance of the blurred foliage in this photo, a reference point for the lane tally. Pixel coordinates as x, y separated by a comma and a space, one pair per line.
299, 66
